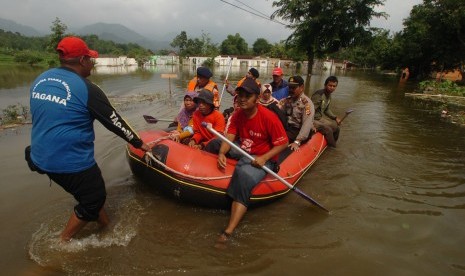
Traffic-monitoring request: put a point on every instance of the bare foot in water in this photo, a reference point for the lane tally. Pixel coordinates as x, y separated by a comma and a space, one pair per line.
222, 240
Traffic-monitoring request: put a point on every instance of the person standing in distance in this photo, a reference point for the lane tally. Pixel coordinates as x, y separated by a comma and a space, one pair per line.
64, 105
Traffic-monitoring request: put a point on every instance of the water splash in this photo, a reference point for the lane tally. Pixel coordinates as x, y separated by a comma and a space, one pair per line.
46, 249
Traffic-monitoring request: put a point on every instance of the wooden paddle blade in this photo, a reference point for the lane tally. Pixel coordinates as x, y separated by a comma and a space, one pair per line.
149, 119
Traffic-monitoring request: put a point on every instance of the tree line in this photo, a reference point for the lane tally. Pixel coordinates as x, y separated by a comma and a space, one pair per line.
35, 50
433, 37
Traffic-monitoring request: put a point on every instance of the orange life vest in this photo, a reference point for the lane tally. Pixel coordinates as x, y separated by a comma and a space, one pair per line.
239, 83
211, 86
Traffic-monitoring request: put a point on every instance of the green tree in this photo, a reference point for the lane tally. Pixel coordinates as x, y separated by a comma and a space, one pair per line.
434, 37
202, 46
261, 47
58, 32
28, 57
234, 45
180, 42
322, 27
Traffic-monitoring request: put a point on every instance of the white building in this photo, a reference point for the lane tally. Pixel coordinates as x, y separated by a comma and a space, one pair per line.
115, 61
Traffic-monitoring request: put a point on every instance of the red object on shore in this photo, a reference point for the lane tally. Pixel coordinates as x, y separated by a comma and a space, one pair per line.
191, 175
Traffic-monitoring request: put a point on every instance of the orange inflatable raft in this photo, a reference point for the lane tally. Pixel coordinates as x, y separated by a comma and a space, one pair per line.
191, 175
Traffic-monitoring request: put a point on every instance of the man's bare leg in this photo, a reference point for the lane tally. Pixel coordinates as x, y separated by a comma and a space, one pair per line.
103, 219
73, 226
238, 211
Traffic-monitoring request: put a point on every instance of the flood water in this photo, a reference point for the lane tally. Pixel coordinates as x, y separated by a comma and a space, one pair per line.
395, 186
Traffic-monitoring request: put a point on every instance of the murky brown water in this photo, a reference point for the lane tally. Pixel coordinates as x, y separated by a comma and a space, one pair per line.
395, 185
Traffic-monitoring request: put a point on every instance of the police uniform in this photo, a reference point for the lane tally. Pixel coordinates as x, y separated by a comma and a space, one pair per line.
299, 114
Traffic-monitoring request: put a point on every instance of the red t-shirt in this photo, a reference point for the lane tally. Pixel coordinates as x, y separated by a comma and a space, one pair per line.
201, 134
259, 134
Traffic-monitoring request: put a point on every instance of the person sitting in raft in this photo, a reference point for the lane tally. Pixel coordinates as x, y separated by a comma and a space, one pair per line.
268, 101
321, 100
300, 111
203, 81
206, 112
265, 97
259, 133
252, 73
185, 129
279, 85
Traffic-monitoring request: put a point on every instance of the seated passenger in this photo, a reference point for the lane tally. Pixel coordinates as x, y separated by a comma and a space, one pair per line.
203, 81
280, 86
185, 129
299, 110
206, 112
267, 100
265, 97
321, 100
259, 134
252, 73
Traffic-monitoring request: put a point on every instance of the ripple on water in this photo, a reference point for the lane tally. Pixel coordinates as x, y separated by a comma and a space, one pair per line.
46, 249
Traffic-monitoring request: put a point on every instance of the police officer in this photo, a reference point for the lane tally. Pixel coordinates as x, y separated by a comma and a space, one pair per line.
299, 110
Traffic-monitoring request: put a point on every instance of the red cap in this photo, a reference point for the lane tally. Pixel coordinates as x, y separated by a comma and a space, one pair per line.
72, 47
277, 71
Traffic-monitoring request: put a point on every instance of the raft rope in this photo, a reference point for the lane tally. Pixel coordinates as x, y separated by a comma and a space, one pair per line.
149, 158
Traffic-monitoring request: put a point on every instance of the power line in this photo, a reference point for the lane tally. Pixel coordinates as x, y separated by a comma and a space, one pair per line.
251, 8
262, 15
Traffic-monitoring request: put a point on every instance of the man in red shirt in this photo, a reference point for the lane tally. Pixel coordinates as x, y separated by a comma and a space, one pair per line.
262, 135
206, 113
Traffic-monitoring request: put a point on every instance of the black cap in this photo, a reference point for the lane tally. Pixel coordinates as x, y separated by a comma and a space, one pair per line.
295, 81
254, 72
204, 72
205, 96
250, 86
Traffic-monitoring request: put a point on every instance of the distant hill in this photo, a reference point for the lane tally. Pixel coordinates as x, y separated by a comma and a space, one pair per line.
121, 34
114, 32
9, 25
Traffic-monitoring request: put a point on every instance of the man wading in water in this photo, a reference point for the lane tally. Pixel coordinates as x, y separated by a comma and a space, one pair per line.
64, 105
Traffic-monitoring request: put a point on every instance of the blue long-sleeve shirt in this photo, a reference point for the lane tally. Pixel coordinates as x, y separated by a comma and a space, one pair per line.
63, 107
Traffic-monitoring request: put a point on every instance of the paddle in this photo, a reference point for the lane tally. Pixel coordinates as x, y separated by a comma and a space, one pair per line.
152, 120
347, 114
268, 170
224, 85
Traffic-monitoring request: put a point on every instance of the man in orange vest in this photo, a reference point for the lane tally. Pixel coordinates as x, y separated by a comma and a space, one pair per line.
203, 81
252, 73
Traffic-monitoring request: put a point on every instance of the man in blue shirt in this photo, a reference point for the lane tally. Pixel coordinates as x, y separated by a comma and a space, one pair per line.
279, 85
64, 105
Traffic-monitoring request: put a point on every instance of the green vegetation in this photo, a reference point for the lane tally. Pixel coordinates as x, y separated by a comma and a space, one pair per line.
232, 45
14, 114
15, 48
433, 40
445, 87
322, 27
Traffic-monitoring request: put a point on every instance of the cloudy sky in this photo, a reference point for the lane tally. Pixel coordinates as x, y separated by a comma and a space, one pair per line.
163, 19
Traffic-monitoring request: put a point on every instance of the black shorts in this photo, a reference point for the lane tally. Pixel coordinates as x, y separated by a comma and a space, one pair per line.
87, 187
